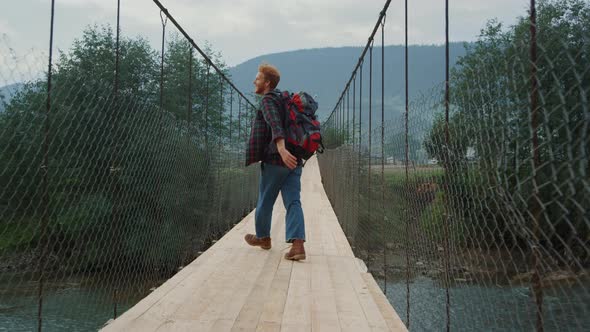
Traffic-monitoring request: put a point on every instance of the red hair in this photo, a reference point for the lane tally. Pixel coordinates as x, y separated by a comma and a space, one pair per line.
271, 74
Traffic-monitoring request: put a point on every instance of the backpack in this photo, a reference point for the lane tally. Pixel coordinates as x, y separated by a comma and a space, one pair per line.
302, 129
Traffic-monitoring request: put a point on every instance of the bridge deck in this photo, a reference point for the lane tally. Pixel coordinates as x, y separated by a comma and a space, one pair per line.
234, 287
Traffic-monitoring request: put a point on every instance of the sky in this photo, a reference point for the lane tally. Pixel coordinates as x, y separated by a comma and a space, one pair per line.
241, 29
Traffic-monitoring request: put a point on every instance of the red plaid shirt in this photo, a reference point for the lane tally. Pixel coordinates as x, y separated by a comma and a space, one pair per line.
267, 126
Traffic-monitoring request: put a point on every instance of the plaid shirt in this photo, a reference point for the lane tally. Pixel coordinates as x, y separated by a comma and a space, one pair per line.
267, 126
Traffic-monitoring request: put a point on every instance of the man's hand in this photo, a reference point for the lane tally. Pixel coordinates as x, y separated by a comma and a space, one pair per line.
289, 159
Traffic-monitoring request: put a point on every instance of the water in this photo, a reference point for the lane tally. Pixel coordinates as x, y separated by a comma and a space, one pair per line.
70, 306
66, 307
489, 308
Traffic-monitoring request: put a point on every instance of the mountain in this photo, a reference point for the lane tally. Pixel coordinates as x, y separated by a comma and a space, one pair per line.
324, 72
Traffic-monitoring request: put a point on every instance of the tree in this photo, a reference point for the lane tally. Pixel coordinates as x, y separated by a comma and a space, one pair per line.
125, 176
490, 95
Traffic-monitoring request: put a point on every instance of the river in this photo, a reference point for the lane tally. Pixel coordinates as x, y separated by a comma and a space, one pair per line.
489, 308
71, 306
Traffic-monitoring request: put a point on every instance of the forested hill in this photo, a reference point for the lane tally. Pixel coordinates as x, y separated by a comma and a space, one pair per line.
325, 71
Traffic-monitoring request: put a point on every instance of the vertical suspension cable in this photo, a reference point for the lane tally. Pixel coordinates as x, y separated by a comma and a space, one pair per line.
208, 157
355, 162
240, 139
161, 113
231, 115
535, 205
338, 120
221, 109
334, 175
231, 143
44, 242
207, 113
221, 155
383, 152
347, 175
251, 185
117, 44
189, 117
343, 137
115, 162
336, 141
189, 110
353, 111
192, 42
158, 194
358, 198
339, 174
338, 123
370, 141
164, 21
348, 114
407, 237
447, 142
343, 117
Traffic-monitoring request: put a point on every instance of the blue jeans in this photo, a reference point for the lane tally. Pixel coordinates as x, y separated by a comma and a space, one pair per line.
273, 179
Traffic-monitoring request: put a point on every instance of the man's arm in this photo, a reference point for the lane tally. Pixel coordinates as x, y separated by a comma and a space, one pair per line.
287, 157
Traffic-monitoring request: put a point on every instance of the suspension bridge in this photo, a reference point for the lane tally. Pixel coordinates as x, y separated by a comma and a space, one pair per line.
124, 199
234, 287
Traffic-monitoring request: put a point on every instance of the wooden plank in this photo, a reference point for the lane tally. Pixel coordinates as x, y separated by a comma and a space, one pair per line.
272, 313
329, 243
234, 287
297, 313
250, 313
324, 313
174, 306
295, 328
350, 313
268, 327
216, 290
231, 289
338, 237
392, 319
221, 325
173, 291
370, 309
247, 302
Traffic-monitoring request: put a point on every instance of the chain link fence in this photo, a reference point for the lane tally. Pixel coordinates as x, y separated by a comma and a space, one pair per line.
118, 167
474, 216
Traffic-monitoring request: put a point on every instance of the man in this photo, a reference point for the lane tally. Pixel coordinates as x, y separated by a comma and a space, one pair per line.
279, 169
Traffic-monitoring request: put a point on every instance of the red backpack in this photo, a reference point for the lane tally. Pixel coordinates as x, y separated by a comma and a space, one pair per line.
302, 129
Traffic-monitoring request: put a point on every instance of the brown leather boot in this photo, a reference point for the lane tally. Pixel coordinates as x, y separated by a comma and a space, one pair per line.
297, 251
263, 243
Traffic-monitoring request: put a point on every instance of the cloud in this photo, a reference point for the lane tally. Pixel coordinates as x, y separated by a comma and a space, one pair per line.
242, 29
246, 28
7, 29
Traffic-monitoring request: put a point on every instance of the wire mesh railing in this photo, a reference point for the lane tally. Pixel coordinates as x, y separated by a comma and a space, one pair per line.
119, 164
471, 203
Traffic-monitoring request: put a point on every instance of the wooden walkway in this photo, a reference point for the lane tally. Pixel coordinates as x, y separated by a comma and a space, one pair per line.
235, 287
